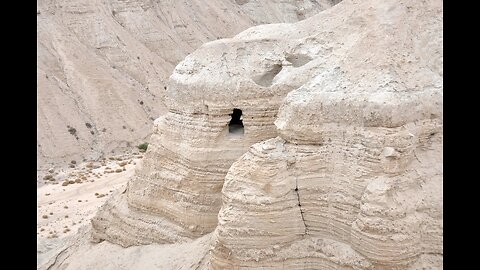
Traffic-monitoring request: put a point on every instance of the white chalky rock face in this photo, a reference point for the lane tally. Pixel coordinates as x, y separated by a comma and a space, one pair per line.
192, 146
354, 179
106, 63
343, 134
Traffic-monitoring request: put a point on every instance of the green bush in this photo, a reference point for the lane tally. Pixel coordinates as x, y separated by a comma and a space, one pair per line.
143, 147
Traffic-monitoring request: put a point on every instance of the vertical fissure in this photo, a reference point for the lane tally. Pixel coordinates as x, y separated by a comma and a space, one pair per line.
300, 206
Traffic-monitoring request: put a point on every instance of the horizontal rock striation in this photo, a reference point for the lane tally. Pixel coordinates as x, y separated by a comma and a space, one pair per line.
339, 162
354, 179
106, 63
193, 144
382, 202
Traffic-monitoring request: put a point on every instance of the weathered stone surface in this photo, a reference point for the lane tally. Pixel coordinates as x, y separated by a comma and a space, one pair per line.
102, 65
192, 148
340, 163
354, 179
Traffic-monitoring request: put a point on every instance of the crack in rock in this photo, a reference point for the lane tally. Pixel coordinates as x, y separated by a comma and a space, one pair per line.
300, 206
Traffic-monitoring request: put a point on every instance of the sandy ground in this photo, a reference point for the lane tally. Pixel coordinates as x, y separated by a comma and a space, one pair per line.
107, 256
62, 208
64, 213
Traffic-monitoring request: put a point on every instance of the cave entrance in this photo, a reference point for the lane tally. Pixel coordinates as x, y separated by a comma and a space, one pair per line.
236, 123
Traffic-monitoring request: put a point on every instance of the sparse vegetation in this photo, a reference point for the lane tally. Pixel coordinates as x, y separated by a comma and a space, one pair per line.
143, 147
44, 216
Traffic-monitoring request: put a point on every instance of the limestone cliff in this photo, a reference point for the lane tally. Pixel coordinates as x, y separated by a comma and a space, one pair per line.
194, 144
339, 161
102, 65
354, 179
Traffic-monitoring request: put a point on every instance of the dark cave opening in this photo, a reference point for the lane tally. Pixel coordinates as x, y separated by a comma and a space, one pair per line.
236, 123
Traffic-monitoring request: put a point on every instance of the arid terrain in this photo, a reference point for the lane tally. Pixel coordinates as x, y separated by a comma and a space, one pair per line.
313, 140
102, 65
70, 197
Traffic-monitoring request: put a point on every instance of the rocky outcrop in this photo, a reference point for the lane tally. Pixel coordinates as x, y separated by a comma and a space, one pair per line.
354, 179
195, 143
339, 161
289, 205
102, 65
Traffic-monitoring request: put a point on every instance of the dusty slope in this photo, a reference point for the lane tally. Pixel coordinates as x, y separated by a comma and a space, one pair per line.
102, 64
190, 255
354, 179
63, 208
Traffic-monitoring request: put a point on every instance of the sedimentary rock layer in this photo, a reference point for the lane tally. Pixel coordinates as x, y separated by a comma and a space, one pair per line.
348, 176
375, 193
193, 145
102, 65
354, 179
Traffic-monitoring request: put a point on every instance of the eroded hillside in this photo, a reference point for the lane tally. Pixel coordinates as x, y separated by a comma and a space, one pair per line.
102, 65
308, 145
